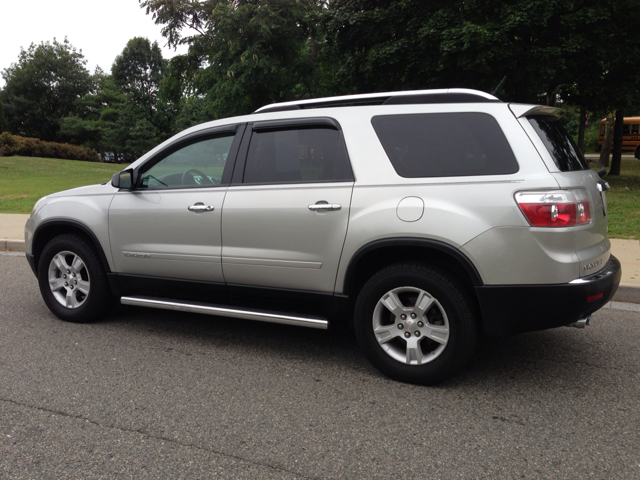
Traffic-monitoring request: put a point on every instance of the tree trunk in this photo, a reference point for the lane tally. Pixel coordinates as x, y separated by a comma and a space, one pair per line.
552, 97
605, 150
616, 158
583, 121
313, 49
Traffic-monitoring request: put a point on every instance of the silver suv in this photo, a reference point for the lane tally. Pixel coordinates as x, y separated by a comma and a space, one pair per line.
423, 220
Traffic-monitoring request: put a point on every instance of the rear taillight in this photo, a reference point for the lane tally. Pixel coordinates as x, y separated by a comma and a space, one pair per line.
558, 208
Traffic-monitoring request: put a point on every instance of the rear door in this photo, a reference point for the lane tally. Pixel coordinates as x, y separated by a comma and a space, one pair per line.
285, 215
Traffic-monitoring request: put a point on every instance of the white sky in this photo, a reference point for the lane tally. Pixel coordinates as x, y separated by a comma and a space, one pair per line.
100, 29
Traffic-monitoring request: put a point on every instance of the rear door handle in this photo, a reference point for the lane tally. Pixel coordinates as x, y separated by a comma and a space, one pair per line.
201, 208
328, 207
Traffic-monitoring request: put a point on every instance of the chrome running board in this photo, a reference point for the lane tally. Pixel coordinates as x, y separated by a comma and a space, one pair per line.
209, 309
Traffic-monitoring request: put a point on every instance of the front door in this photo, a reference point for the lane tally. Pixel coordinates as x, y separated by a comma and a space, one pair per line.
169, 226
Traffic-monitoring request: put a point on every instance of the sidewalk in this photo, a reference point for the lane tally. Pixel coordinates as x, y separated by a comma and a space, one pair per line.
12, 231
627, 251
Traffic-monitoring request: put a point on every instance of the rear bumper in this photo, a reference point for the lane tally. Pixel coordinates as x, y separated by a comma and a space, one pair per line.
507, 310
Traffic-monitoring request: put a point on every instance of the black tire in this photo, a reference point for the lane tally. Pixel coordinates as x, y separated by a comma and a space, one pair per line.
443, 306
77, 277
637, 154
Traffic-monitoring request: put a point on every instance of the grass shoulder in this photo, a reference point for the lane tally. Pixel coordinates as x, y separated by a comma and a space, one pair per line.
623, 201
23, 180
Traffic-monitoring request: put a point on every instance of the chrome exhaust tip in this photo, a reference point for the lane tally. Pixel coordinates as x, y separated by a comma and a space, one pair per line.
583, 322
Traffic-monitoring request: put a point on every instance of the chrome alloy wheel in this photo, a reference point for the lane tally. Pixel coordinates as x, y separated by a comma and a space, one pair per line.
410, 325
69, 279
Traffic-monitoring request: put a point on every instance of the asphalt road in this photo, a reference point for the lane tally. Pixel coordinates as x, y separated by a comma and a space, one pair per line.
155, 394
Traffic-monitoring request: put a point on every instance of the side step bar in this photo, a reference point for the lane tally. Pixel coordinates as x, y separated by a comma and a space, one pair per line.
210, 309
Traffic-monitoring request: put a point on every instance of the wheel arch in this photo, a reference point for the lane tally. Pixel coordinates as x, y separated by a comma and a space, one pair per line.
50, 229
381, 253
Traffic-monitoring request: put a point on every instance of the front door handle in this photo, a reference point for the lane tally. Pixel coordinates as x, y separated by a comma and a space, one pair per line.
324, 206
201, 208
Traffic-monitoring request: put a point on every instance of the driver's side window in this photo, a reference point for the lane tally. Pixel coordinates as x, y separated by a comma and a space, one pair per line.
197, 164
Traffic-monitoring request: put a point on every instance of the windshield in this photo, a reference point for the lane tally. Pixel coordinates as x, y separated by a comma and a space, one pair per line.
563, 150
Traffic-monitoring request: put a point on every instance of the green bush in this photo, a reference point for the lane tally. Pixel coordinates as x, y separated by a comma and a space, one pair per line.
32, 147
591, 136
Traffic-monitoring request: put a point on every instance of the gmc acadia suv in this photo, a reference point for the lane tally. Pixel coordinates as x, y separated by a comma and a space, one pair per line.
423, 220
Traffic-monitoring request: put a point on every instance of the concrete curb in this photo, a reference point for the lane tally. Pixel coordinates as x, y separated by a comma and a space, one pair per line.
9, 244
628, 307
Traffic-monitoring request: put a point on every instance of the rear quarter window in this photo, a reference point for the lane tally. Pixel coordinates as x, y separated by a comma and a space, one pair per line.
445, 144
563, 150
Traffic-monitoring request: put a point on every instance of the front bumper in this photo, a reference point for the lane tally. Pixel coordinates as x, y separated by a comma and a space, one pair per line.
32, 263
512, 309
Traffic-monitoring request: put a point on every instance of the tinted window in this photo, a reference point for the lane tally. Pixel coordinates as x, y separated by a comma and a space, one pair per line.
445, 144
635, 129
564, 152
297, 155
200, 163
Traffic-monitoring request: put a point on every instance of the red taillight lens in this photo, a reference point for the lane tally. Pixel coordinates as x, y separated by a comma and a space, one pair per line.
542, 215
556, 208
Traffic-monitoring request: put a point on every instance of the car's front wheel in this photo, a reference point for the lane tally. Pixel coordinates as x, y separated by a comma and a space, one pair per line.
416, 323
72, 280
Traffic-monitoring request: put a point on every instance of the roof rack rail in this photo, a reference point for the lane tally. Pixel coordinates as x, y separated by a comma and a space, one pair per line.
448, 95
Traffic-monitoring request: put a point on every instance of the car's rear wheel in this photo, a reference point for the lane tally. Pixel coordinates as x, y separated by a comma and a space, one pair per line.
72, 280
416, 323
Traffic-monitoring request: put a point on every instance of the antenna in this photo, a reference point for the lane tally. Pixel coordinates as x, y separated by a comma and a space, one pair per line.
499, 85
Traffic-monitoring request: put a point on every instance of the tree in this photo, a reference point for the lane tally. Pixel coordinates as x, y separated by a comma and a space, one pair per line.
245, 53
409, 44
138, 71
42, 87
94, 114
192, 111
3, 120
622, 70
606, 141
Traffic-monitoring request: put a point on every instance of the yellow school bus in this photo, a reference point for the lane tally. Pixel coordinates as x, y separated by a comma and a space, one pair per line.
630, 135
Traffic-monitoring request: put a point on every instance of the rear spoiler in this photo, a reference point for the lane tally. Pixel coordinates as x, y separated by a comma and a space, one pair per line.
521, 110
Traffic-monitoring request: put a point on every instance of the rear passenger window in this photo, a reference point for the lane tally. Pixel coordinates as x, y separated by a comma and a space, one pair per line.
445, 144
297, 155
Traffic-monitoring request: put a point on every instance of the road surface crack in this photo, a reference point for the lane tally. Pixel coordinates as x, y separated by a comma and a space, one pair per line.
155, 437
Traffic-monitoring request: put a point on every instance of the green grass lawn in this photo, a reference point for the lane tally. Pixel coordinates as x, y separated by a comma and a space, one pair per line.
23, 180
623, 201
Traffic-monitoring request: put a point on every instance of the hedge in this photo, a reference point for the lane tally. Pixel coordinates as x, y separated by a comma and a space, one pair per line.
33, 147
